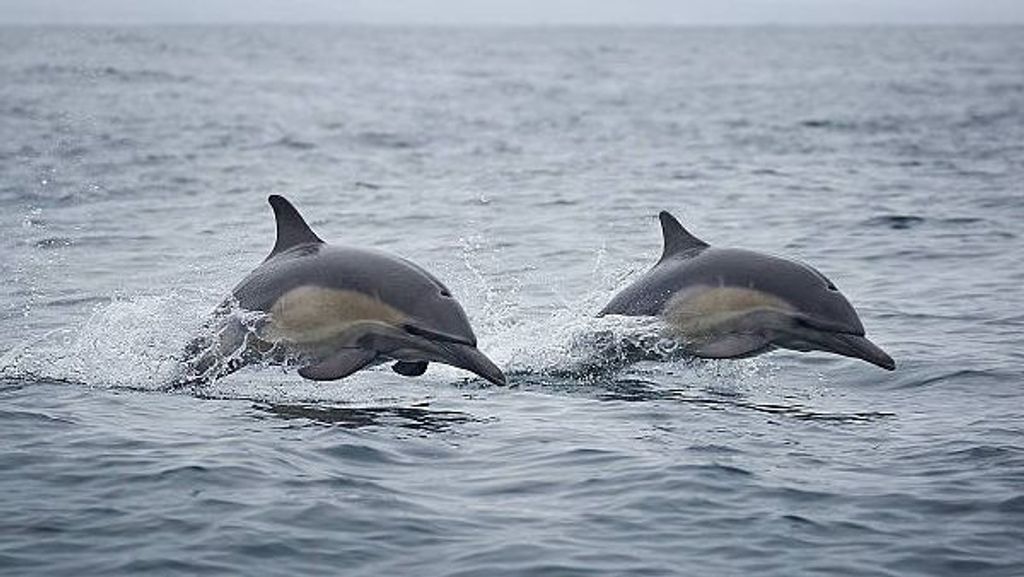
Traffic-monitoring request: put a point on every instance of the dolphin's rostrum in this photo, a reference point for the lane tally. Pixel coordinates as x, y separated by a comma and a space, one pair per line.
335, 310
729, 303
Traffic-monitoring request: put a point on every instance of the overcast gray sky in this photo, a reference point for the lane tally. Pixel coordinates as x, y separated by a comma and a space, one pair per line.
516, 12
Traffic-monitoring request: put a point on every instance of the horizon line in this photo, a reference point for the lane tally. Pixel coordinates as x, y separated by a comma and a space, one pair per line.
482, 24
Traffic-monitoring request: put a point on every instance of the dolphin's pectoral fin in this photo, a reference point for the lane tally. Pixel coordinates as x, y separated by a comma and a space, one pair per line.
410, 368
339, 365
730, 346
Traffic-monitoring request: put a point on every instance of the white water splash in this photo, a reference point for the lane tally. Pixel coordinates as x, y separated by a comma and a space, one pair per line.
129, 342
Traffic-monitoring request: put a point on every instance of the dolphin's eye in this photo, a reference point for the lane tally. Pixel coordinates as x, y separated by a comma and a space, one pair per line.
446, 293
831, 286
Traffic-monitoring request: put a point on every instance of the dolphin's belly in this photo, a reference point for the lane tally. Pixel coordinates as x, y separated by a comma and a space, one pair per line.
311, 315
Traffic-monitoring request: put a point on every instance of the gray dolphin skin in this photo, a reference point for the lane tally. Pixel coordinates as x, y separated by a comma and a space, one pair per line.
334, 310
733, 303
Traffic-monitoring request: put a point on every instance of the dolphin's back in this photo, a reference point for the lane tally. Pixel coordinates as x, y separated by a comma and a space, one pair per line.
712, 267
648, 294
380, 275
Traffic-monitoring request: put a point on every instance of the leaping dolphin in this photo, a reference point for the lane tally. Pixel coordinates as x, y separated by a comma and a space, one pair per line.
732, 303
335, 310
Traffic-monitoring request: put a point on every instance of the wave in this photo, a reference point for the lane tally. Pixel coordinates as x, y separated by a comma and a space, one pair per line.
61, 72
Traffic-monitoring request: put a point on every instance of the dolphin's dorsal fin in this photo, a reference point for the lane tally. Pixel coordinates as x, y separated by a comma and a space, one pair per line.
292, 230
676, 238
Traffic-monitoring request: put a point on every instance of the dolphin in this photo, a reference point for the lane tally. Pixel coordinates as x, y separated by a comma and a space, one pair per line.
334, 310
733, 303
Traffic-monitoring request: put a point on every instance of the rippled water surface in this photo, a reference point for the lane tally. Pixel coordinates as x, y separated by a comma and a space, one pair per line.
524, 168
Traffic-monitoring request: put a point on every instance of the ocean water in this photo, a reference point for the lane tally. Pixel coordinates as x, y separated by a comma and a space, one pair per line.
525, 168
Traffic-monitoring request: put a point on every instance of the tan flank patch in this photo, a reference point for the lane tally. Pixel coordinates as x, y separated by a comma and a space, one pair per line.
311, 314
700, 314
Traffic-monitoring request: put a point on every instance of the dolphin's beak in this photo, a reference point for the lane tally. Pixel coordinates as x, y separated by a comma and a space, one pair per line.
856, 346
471, 359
